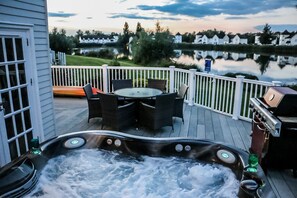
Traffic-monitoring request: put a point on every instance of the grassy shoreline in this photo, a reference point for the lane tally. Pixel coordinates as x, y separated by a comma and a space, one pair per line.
92, 61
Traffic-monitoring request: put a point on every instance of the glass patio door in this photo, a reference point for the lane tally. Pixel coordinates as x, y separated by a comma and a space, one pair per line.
16, 129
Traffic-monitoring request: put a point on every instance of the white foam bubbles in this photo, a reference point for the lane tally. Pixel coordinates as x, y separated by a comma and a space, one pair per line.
99, 173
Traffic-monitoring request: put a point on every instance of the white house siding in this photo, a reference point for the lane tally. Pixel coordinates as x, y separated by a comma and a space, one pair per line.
35, 12
294, 40
215, 40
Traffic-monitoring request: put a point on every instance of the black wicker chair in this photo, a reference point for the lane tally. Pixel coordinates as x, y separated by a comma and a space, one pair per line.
157, 84
179, 102
160, 115
94, 104
116, 116
121, 84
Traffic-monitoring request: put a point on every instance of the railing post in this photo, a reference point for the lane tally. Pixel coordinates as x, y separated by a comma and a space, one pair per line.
171, 79
105, 78
277, 83
238, 97
213, 93
64, 59
192, 86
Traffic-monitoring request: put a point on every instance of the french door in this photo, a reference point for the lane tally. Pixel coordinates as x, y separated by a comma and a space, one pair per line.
16, 110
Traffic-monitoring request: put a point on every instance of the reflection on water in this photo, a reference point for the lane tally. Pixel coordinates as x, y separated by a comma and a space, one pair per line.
265, 67
263, 61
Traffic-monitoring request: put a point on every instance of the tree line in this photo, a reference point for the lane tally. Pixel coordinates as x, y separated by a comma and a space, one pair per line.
60, 42
149, 47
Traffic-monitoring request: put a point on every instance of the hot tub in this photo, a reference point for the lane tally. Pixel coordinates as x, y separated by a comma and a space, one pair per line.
21, 177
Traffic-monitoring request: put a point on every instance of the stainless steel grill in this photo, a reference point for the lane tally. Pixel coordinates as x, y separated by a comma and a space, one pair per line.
274, 128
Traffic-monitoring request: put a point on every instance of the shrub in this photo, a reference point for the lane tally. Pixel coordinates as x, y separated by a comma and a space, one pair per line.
104, 53
247, 76
148, 49
114, 62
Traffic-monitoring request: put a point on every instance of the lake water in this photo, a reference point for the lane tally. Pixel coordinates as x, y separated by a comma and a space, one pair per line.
266, 68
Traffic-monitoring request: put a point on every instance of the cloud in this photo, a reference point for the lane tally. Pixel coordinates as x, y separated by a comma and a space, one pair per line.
202, 8
279, 28
61, 14
62, 21
136, 16
236, 17
89, 17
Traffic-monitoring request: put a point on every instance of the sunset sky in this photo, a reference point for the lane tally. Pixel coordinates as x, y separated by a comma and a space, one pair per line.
237, 16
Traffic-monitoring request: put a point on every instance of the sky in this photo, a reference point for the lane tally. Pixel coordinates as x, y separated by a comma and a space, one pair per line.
236, 16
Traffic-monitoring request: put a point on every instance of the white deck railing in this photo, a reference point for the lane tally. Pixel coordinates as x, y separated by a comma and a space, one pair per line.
226, 95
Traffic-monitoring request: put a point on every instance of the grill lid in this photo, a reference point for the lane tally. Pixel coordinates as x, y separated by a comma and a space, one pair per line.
282, 101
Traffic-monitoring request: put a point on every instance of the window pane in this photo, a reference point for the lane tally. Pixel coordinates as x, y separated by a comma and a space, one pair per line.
9, 127
12, 75
22, 144
9, 49
27, 119
1, 51
19, 48
13, 150
22, 73
16, 101
3, 79
5, 100
19, 123
24, 97
29, 137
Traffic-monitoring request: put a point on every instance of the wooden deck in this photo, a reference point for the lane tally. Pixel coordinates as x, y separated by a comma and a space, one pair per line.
72, 113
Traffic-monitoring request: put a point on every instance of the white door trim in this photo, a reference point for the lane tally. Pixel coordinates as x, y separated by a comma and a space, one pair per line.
26, 31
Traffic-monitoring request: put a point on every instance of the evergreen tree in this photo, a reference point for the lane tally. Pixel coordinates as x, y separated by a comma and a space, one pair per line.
124, 38
266, 36
60, 42
79, 33
87, 32
151, 49
138, 28
158, 27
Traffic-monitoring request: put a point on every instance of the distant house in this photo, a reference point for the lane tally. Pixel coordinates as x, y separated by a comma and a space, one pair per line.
99, 39
225, 39
215, 40
205, 39
198, 39
284, 38
294, 39
238, 40
27, 97
287, 38
178, 38
257, 40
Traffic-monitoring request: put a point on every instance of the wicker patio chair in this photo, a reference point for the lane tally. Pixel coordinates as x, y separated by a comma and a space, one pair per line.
94, 105
114, 115
121, 84
179, 102
157, 84
160, 115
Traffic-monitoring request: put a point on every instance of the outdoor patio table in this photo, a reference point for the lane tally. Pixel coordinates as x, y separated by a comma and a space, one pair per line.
138, 92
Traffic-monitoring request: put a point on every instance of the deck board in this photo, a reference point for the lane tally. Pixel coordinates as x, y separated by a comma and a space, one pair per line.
71, 115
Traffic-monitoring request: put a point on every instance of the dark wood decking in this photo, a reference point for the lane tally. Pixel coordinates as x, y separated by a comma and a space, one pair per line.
71, 116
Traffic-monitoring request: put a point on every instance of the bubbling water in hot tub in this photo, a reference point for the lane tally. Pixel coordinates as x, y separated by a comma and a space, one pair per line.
101, 173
